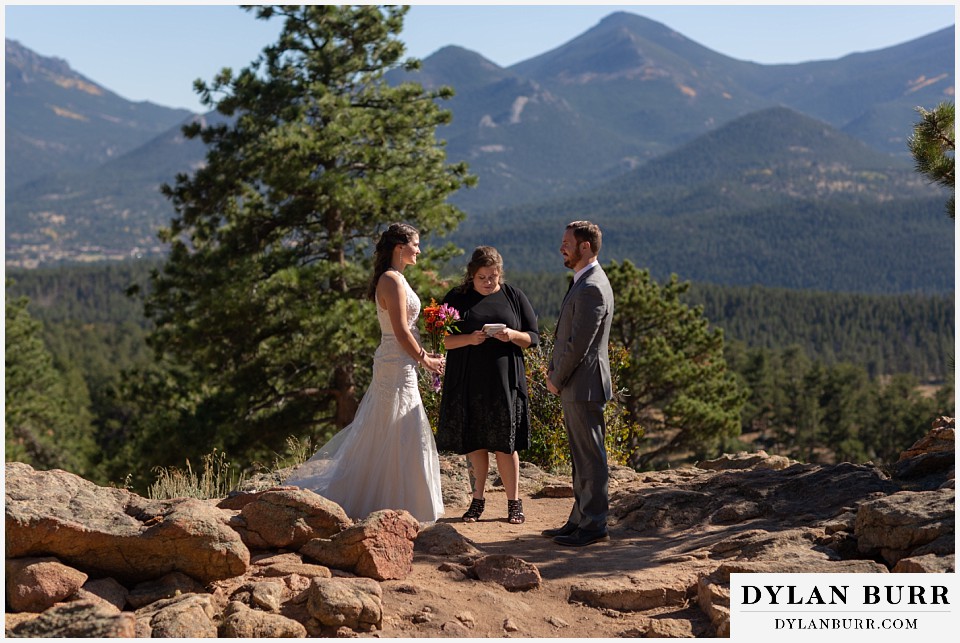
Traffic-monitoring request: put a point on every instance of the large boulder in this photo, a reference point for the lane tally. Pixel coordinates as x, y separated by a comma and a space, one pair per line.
930, 462
907, 523
762, 495
113, 532
378, 547
288, 518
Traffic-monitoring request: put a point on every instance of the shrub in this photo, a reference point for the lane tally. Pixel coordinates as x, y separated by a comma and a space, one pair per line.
548, 438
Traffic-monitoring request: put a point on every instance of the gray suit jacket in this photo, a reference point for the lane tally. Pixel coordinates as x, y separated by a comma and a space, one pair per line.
581, 362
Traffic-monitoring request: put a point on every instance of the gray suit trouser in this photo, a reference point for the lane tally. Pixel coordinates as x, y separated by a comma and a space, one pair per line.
586, 431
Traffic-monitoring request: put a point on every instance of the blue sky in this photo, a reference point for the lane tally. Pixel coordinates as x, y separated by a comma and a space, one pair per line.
154, 52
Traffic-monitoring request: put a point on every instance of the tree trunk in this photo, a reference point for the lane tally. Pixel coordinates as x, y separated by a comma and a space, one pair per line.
346, 395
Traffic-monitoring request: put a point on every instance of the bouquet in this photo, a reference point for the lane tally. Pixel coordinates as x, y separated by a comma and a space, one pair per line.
439, 321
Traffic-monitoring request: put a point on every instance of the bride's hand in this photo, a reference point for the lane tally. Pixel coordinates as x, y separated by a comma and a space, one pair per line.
433, 363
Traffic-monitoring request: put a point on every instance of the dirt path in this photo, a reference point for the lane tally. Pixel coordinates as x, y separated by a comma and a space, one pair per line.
438, 600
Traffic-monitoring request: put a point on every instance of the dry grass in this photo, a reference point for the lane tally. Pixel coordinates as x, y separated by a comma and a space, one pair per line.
216, 478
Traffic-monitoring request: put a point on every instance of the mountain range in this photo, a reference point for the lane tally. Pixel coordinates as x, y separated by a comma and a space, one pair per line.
703, 165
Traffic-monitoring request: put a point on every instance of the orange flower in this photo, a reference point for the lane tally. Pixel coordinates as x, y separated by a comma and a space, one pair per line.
438, 321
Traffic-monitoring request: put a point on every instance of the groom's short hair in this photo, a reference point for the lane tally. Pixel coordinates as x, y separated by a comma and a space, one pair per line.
587, 231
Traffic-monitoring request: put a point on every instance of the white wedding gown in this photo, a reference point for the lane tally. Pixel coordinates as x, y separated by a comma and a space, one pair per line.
387, 457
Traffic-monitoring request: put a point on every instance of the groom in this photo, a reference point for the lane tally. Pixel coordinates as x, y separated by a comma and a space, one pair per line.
579, 373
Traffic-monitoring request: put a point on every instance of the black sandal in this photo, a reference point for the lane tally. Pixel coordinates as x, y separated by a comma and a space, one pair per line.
515, 512
476, 508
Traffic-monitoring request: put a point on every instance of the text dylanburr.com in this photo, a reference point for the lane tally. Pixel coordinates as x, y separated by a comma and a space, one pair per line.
855, 607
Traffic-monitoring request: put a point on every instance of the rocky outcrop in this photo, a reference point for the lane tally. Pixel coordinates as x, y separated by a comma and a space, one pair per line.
85, 561
859, 514
906, 524
929, 463
761, 495
112, 532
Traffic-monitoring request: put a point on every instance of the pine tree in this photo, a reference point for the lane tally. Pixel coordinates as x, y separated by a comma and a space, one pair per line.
42, 427
680, 389
932, 145
262, 295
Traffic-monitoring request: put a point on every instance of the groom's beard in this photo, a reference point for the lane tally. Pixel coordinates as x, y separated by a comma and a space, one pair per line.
573, 258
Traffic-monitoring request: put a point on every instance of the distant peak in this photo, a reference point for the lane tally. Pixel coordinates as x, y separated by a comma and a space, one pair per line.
460, 54
625, 18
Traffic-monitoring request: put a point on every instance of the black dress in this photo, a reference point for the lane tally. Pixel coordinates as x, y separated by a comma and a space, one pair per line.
483, 403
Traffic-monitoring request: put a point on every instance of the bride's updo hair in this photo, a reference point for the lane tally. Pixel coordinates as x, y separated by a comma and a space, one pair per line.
483, 257
396, 235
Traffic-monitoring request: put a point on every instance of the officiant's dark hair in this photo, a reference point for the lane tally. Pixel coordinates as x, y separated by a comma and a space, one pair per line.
396, 235
483, 257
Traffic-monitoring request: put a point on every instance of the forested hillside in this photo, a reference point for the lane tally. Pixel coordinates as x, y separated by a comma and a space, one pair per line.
884, 334
88, 314
814, 363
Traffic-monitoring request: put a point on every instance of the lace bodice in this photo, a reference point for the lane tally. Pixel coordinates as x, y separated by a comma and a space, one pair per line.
413, 311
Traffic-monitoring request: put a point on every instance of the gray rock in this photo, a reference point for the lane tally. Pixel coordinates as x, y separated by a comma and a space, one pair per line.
897, 525
78, 619
442, 539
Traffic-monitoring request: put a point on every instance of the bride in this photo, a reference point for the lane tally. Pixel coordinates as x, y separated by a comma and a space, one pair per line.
386, 458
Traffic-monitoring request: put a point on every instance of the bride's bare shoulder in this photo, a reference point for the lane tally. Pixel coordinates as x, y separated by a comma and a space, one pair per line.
389, 288
391, 279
